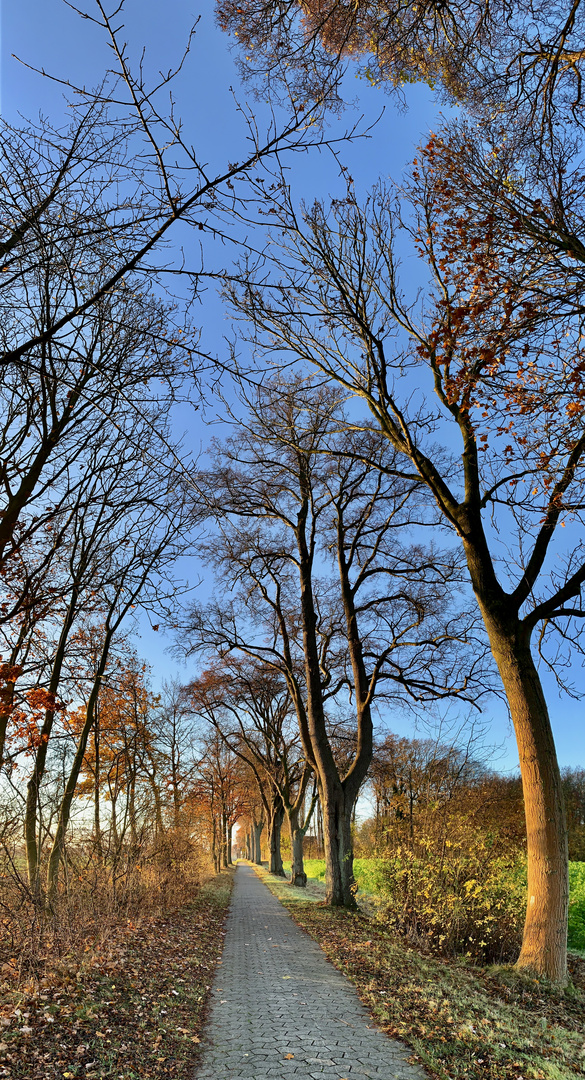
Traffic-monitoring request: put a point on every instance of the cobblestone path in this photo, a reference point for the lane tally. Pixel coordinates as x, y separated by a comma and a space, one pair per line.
280, 1010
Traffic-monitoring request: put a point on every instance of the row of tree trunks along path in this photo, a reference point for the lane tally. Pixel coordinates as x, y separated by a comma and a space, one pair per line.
281, 1010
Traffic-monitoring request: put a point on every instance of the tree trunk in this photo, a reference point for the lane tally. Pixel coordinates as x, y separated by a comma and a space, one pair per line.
337, 796
58, 848
30, 816
215, 852
256, 842
175, 789
340, 882
6, 703
97, 826
544, 944
319, 834
274, 830
38, 772
132, 816
229, 828
224, 851
158, 816
297, 836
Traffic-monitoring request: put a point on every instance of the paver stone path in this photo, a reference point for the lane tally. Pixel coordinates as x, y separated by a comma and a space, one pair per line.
275, 994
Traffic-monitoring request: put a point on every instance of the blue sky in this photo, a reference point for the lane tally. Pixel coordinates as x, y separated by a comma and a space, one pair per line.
46, 34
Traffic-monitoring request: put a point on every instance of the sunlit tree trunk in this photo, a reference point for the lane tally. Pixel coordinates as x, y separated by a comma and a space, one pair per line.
34, 784
224, 843
298, 824
544, 940
58, 849
229, 828
215, 847
337, 794
97, 825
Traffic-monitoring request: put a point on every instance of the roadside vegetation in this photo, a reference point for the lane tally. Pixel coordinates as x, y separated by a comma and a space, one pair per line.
375, 879
108, 992
459, 1019
358, 566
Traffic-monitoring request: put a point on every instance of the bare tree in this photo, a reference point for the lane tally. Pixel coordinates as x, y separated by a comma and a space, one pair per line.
483, 363
150, 538
291, 497
221, 782
86, 212
175, 740
249, 704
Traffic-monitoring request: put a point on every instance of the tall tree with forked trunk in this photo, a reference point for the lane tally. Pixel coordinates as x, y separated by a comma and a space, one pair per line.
321, 588
478, 388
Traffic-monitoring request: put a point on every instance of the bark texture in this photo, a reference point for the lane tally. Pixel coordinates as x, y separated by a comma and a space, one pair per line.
545, 929
340, 882
274, 833
257, 834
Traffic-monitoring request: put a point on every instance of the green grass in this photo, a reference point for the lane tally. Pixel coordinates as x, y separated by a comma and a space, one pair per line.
461, 1022
368, 873
314, 893
370, 879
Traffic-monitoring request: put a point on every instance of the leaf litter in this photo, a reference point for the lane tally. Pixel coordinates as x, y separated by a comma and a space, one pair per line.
131, 1006
461, 1021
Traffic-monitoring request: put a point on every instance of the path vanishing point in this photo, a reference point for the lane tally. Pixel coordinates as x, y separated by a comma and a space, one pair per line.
279, 1009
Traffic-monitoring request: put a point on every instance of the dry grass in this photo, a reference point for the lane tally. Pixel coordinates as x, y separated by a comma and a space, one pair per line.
112, 990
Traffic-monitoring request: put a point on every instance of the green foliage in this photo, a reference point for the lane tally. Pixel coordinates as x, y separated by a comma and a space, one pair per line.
467, 905
577, 905
458, 901
452, 901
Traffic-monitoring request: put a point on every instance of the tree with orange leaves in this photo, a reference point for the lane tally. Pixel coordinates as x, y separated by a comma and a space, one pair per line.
496, 56
218, 782
121, 756
317, 586
249, 705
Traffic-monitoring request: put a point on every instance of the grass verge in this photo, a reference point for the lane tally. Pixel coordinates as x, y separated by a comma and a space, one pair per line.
314, 892
131, 1006
459, 1020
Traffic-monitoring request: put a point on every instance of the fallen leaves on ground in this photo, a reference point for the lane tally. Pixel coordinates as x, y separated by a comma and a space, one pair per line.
130, 1007
459, 1021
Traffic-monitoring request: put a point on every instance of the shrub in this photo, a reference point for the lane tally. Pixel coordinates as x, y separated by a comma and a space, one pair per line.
457, 902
